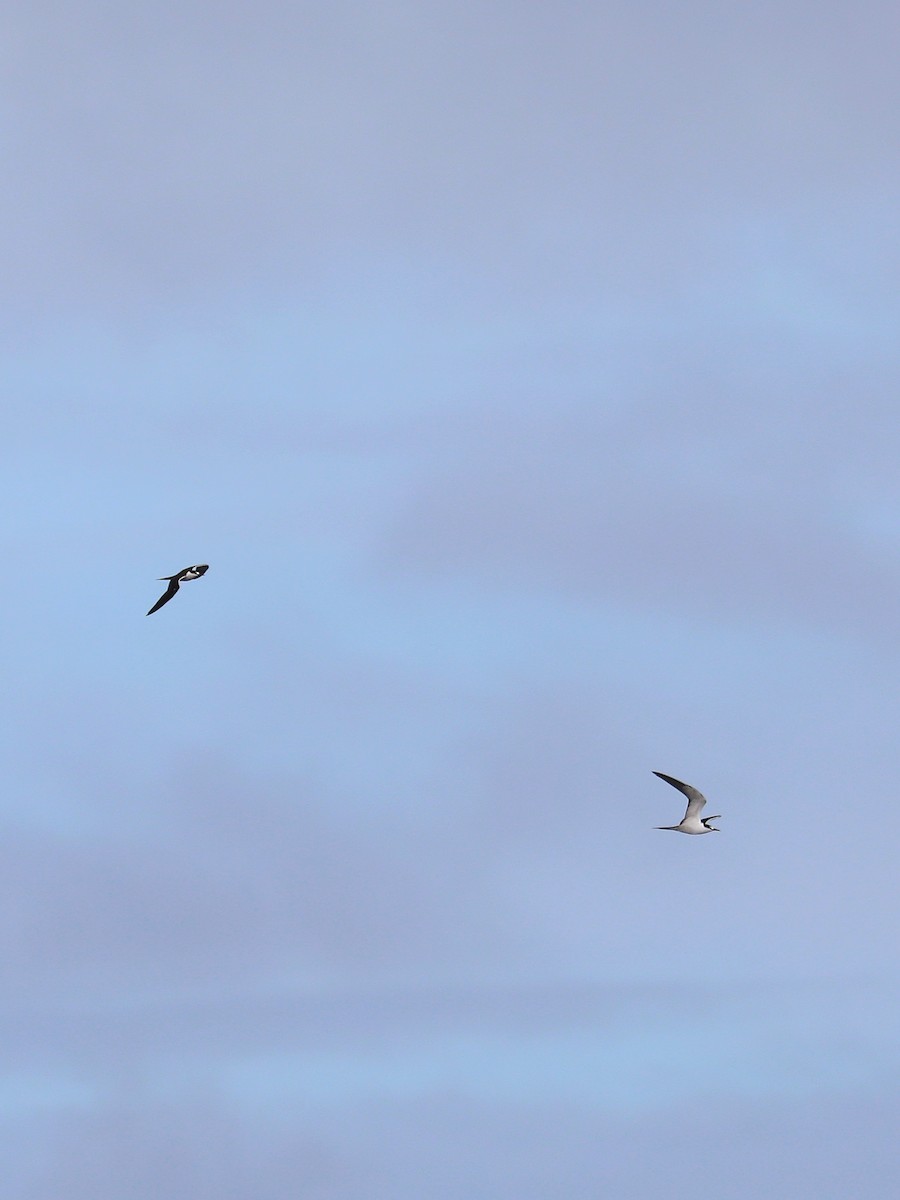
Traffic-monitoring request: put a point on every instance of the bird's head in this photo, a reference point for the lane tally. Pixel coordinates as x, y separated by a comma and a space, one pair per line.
705, 822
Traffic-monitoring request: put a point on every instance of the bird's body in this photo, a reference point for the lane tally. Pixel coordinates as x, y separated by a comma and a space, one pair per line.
176, 580
691, 822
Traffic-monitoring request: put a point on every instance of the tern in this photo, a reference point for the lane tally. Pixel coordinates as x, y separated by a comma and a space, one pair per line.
691, 822
175, 580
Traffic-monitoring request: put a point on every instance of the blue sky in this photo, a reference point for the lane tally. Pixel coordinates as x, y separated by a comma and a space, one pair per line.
527, 379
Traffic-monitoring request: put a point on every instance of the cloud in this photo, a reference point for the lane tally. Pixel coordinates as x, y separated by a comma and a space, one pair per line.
154, 156
452, 1146
736, 517
531, 1088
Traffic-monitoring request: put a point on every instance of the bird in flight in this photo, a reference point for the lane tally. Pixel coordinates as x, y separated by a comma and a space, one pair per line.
691, 822
175, 580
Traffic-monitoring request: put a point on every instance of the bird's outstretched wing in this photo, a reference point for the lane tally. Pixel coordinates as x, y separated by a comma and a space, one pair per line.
167, 594
696, 800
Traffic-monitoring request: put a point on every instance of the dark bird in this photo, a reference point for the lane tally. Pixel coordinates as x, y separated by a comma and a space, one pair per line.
691, 822
175, 580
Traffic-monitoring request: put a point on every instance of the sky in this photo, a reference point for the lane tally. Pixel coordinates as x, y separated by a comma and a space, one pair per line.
527, 376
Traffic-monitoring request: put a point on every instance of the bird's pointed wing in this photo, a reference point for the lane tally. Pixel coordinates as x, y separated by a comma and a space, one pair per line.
696, 800
167, 594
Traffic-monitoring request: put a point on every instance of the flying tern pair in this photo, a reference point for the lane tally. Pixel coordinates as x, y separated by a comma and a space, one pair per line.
691, 822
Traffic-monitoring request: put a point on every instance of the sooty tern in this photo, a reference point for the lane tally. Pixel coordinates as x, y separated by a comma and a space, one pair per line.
175, 580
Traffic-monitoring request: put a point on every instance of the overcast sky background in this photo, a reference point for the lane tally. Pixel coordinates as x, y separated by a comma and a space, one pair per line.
528, 376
